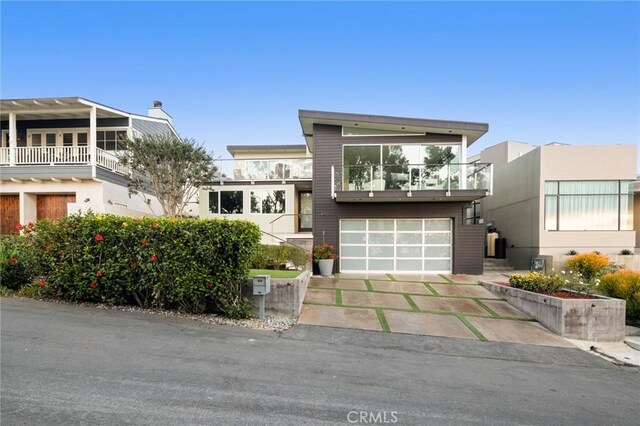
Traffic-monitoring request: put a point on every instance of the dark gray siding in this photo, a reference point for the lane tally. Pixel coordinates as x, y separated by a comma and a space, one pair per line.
468, 247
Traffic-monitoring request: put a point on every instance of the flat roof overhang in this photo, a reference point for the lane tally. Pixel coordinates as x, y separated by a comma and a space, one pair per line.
472, 130
422, 196
55, 108
284, 149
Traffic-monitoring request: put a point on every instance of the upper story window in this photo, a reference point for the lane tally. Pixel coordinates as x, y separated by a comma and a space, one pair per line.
226, 202
268, 202
432, 154
588, 205
105, 139
361, 131
109, 139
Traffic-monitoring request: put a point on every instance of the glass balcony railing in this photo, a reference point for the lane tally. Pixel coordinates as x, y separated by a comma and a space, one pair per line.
264, 169
412, 177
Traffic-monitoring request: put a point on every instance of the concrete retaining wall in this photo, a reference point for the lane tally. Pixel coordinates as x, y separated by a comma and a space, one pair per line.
286, 296
600, 319
558, 262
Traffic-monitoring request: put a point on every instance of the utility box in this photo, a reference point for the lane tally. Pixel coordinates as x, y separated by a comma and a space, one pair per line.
261, 285
537, 264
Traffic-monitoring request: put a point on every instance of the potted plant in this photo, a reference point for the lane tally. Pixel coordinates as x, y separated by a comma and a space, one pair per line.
324, 255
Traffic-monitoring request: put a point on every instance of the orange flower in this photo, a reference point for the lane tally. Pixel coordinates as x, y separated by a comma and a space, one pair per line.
154, 258
14, 260
93, 285
98, 237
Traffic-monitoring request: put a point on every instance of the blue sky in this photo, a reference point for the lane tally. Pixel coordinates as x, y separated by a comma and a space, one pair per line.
237, 73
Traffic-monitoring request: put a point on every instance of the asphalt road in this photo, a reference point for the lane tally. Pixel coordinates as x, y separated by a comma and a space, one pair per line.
64, 364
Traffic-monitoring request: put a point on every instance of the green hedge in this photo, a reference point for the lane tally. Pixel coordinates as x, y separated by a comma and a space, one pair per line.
18, 262
192, 265
270, 256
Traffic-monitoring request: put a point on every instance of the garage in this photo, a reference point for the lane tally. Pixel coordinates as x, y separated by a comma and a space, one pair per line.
53, 206
396, 245
10, 214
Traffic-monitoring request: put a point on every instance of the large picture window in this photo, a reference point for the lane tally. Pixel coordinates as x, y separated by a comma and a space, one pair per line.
225, 202
268, 202
588, 205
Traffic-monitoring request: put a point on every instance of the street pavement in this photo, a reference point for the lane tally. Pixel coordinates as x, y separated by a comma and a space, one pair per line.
67, 364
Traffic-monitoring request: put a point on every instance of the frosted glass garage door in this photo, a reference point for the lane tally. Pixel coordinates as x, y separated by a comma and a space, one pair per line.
395, 245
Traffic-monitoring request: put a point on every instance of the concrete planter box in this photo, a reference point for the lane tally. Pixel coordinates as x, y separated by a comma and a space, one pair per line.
600, 319
559, 261
286, 296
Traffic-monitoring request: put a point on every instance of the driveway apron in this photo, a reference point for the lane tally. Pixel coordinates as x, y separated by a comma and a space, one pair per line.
432, 305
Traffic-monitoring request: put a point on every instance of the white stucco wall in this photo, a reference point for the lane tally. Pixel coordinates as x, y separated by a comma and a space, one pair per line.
585, 162
99, 197
283, 227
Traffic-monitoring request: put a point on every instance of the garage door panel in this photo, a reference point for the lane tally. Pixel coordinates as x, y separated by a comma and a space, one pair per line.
396, 245
353, 264
380, 264
437, 264
409, 265
9, 214
353, 251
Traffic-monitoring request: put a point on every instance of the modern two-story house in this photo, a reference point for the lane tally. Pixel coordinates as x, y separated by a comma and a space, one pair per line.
391, 194
59, 155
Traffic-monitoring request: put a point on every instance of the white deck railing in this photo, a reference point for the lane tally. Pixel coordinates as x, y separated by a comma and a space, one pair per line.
110, 161
61, 155
52, 155
4, 156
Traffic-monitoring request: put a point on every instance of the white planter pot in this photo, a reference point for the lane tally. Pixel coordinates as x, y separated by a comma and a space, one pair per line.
326, 267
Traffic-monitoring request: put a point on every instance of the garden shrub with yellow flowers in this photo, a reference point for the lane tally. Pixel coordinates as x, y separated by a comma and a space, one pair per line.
191, 265
624, 284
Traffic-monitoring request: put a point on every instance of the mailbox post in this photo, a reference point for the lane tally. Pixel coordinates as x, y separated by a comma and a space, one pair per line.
261, 287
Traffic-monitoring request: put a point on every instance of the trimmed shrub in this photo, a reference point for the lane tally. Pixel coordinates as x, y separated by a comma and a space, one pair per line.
537, 282
271, 256
18, 261
192, 265
624, 284
588, 265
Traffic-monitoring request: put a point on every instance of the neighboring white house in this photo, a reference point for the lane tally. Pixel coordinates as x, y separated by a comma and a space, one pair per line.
58, 156
267, 184
551, 199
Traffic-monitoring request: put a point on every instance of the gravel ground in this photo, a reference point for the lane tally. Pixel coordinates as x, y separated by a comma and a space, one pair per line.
271, 323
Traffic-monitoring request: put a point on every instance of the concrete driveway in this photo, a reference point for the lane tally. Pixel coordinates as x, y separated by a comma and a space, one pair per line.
433, 305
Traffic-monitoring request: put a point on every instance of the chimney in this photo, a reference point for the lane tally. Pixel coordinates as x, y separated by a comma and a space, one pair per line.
157, 112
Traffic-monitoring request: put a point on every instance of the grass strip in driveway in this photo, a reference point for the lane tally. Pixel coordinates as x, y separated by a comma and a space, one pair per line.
471, 327
338, 297
368, 284
486, 308
383, 321
411, 302
391, 277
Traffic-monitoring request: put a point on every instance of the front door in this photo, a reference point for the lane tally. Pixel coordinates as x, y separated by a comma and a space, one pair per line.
305, 213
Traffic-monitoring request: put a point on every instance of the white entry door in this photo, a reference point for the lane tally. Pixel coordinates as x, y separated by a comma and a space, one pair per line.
396, 245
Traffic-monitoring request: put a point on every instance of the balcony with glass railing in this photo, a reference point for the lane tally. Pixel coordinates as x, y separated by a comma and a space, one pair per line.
411, 182
252, 170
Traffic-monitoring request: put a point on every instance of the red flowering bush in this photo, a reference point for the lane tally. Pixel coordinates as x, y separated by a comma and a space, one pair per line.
191, 265
18, 265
